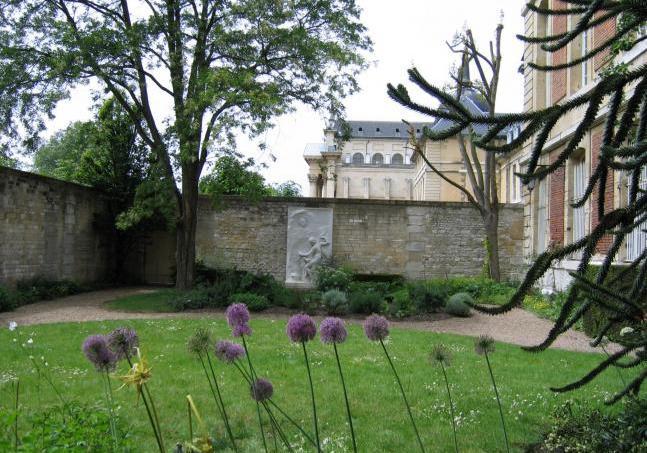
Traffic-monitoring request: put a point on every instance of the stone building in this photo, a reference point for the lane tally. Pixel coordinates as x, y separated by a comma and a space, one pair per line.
549, 217
376, 162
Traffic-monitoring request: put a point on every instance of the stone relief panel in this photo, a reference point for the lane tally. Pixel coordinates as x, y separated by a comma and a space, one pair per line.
309, 243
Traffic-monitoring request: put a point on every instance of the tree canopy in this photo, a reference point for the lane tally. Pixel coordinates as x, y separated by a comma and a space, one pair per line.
188, 73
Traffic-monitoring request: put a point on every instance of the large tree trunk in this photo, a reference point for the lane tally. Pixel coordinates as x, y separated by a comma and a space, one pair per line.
491, 223
186, 230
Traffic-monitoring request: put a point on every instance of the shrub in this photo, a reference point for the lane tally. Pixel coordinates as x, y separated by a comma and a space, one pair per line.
7, 302
366, 302
400, 304
457, 305
329, 277
428, 297
335, 302
255, 302
576, 428
285, 297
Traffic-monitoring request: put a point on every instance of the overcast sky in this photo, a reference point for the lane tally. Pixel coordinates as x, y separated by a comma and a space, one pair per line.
405, 33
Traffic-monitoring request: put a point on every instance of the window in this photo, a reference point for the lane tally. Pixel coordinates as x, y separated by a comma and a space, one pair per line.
579, 186
637, 239
377, 129
542, 217
397, 159
378, 159
514, 183
397, 130
358, 158
360, 129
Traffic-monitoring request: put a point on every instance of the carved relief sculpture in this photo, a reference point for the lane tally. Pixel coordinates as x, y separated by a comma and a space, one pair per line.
309, 243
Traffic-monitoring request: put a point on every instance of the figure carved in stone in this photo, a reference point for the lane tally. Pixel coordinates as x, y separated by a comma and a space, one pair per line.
313, 257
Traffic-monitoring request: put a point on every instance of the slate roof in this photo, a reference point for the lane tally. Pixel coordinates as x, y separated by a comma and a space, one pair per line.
382, 129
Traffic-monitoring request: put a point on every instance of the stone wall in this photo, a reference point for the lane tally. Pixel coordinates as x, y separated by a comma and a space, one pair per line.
49, 228
414, 239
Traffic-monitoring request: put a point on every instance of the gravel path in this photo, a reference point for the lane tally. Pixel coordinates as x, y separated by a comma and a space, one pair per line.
516, 327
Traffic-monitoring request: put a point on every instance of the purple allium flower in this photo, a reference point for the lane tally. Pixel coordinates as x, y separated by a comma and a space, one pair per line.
241, 329
123, 341
301, 328
332, 330
237, 314
376, 327
228, 351
261, 390
96, 349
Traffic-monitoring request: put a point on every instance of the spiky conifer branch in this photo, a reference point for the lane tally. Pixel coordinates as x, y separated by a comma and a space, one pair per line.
619, 99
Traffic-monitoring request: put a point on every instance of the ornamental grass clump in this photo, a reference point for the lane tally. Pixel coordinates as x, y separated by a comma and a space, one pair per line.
376, 328
441, 356
200, 344
484, 345
333, 331
97, 351
300, 329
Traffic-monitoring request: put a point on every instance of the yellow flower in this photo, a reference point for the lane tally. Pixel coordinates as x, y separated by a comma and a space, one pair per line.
138, 375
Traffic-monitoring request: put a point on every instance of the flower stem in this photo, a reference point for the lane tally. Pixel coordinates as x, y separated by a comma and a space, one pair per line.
222, 405
343, 384
15, 423
451, 406
258, 406
312, 394
276, 425
188, 406
213, 392
498, 400
288, 418
150, 418
157, 422
108, 391
404, 396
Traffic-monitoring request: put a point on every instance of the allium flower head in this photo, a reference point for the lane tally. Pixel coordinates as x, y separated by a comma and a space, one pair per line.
332, 330
228, 351
96, 350
484, 344
261, 390
138, 375
301, 328
376, 327
123, 341
237, 314
240, 330
200, 341
440, 355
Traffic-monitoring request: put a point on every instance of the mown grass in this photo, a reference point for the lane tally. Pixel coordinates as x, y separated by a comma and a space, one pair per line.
380, 419
153, 302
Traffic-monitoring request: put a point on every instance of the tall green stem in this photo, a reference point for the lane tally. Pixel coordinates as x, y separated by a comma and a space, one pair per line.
451, 406
15, 423
343, 384
312, 394
258, 406
404, 396
498, 400
152, 422
157, 422
222, 405
213, 391
108, 392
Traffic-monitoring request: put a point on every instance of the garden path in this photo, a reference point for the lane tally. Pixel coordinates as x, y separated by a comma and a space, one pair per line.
517, 327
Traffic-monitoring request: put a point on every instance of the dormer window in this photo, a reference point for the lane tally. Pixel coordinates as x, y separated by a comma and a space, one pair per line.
418, 131
360, 129
377, 129
397, 130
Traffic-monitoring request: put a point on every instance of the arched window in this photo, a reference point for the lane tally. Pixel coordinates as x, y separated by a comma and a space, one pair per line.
397, 159
378, 159
358, 158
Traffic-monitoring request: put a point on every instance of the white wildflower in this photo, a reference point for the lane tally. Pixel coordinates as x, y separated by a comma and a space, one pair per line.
13, 325
626, 330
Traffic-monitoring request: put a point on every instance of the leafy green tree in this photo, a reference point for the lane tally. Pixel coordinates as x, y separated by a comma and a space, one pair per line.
222, 65
60, 156
622, 91
285, 189
232, 176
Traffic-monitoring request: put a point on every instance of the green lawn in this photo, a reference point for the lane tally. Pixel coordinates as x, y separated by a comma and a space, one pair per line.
380, 419
157, 301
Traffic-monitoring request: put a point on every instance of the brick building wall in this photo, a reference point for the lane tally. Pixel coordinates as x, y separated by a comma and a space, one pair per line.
49, 228
558, 85
556, 203
596, 141
601, 34
414, 239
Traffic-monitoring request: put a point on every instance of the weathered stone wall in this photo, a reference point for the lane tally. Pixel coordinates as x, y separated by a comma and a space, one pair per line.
414, 239
49, 228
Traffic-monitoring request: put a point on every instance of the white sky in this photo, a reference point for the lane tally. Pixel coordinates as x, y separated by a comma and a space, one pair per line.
405, 33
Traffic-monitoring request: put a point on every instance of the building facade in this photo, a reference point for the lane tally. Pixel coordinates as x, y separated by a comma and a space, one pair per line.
549, 217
